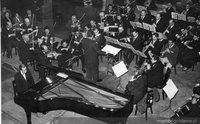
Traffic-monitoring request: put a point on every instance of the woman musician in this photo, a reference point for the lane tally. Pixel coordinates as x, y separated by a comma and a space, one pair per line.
192, 106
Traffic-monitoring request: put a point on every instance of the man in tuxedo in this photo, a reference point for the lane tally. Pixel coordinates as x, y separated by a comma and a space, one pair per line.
168, 11
23, 79
171, 30
25, 48
159, 23
91, 51
42, 58
136, 43
153, 47
137, 86
30, 16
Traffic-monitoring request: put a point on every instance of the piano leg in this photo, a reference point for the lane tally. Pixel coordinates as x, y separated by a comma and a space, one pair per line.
28, 116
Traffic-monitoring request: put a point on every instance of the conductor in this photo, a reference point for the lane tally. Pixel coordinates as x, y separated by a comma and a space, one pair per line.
91, 52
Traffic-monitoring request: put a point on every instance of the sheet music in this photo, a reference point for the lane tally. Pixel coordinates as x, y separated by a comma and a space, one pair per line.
62, 75
140, 8
111, 49
153, 12
170, 89
119, 69
174, 15
136, 24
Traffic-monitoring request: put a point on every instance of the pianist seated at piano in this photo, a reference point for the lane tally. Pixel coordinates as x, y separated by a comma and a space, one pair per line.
23, 79
137, 85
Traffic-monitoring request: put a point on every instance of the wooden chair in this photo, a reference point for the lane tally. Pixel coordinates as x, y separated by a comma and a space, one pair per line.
149, 103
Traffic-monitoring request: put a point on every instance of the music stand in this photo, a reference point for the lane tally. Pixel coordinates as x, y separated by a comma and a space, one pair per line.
119, 70
171, 90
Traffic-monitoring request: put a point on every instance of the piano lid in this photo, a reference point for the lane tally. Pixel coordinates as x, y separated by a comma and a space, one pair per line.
77, 90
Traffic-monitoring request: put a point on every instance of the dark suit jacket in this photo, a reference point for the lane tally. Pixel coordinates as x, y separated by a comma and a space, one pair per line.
172, 32
16, 21
31, 18
160, 26
167, 15
138, 88
91, 51
146, 19
42, 58
155, 75
23, 50
22, 84
157, 47
172, 56
137, 43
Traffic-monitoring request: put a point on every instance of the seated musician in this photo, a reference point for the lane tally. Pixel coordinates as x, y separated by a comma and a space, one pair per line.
110, 14
26, 50
72, 24
75, 43
42, 58
30, 16
92, 25
7, 18
136, 42
26, 26
137, 85
155, 75
17, 20
188, 11
150, 4
154, 46
192, 107
65, 53
5, 9
100, 39
23, 79
101, 21
121, 34
8, 38
171, 29
191, 53
169, 54
129, 16
119, 21
159, 23
168, 11
48, 38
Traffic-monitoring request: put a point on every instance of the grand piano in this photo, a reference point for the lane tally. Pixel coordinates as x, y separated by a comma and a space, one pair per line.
68, 90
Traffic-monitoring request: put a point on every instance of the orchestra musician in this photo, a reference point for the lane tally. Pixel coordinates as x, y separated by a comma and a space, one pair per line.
154, 46
42, 58
155, 75
26, 26
91, 52
119, 21
190, 53
8, 38
101, 21
168, 11
137, 85
75, 43
7, 18
188, 11
92, 25
99, 38
73, 24
4, 9
48, 38
121, 33
171, 30
110, 14
150, 4
136, 42
65, 53
26, 50
192, 106
159, 23
169, 54
30, 16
